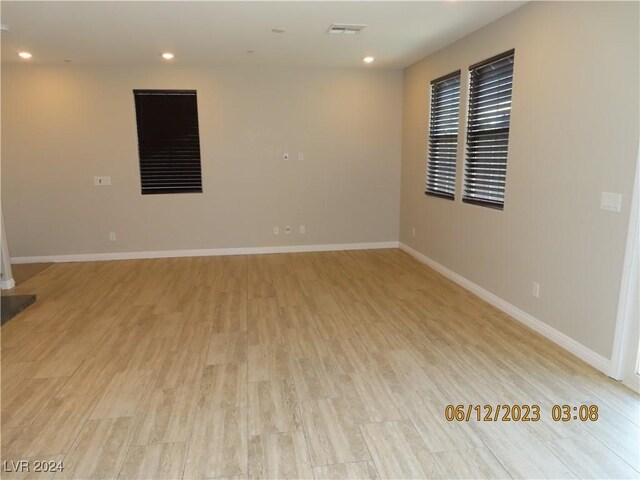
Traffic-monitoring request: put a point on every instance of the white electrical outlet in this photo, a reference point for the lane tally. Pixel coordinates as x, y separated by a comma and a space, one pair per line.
276, 231
300, 156
287, 230
413, 232
302, 230
611, 201
285, 156
112, 236
535, 289
102, 180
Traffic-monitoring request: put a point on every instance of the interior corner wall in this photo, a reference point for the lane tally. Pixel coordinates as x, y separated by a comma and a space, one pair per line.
62, 125
574, 134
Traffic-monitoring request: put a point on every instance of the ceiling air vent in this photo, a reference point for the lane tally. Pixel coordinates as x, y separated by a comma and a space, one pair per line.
345, 28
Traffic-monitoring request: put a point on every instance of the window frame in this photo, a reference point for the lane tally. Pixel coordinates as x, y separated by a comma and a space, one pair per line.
443, 78
145, 163
468, 137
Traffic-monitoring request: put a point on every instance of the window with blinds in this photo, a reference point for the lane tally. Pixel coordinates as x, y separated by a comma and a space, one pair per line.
168, 141
443, 136
489, 116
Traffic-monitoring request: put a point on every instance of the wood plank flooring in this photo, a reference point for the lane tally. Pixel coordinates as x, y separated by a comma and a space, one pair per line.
310, 365
23, 272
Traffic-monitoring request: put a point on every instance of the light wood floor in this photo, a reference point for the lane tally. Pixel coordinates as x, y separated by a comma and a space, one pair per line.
324, 365
23, 272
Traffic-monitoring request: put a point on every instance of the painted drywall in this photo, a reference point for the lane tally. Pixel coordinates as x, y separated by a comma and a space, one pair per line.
63, 125
574, 134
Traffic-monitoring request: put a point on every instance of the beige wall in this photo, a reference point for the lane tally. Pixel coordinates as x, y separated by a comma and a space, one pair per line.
62, 125
574, 134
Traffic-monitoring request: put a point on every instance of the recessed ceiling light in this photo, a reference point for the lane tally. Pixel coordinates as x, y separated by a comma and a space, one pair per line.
167, 56
25, 55
277, 30
368, 59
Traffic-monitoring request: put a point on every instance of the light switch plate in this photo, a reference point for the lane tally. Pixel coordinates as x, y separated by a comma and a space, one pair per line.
611, 201
102, 180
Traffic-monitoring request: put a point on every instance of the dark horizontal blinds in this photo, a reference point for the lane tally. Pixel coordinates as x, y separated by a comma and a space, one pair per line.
168, 141
488, 122
443, 136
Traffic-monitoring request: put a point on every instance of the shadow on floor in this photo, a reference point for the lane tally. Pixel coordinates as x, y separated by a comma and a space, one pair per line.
11, 305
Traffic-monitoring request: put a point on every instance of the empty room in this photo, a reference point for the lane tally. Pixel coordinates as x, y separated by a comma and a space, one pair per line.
320, 240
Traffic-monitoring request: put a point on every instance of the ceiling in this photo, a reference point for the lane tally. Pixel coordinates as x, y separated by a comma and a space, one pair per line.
220, 33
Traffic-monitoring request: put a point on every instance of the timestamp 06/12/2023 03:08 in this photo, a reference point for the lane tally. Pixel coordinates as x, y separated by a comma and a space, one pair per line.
519, 413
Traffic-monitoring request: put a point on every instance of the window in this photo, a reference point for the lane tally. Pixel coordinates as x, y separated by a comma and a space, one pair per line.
443, 136
168, 141
490, 84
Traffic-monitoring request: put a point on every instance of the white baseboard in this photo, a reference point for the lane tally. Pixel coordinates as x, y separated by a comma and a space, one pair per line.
633, 382
592, 358
203, 252
7, 284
